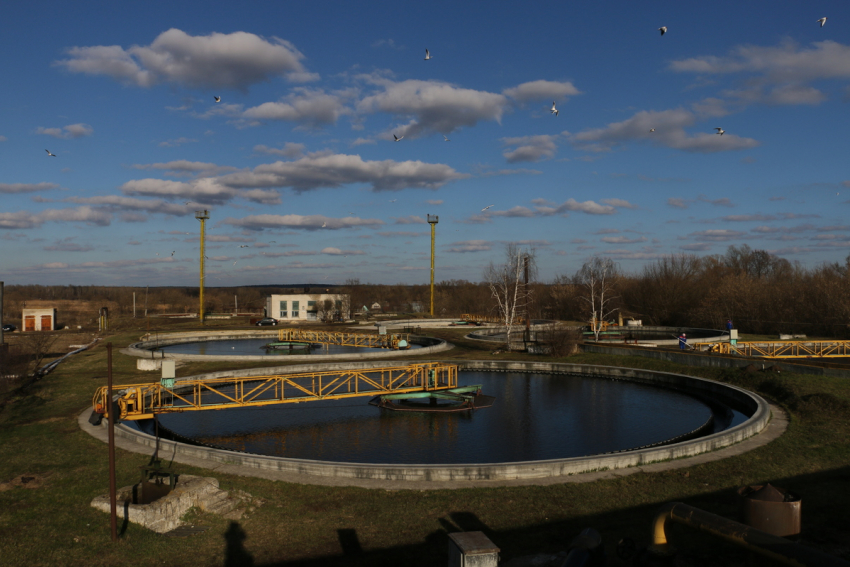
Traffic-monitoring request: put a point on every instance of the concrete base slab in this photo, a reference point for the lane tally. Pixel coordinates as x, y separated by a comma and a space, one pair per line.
164, 514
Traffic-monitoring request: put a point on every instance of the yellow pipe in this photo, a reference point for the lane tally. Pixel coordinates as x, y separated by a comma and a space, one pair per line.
777, 548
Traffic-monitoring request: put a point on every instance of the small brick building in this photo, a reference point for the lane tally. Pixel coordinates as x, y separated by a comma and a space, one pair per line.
39, 319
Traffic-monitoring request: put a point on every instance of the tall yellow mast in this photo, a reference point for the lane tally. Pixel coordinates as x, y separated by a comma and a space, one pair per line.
202, 216
433, 222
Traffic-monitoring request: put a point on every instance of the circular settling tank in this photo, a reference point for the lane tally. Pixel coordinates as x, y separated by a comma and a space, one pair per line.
257, 346
535, 416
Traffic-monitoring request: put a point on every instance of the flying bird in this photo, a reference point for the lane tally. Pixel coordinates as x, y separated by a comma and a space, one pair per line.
217, 98
652, 129
48, 153
720, 131
324, 224
553, 110
427, 55
393, 200
822, 21
243, 246
397, 139
487, 207
663, 30
444, 136
270, 241
172, 253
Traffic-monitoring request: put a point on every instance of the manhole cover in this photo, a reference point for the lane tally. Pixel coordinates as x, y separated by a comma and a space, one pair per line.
186, 531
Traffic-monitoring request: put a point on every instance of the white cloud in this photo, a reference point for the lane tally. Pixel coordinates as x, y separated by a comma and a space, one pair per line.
621, 203
537, 90
311, 107
176, 143
622, 240
337, 252
434, 201
717, 235
236, 60
319, 171
470, 246
309, 222
183, 167
529, 148
3, 138
84, 214
412, 219
26, 187
290, 150
781, 72
433, 105
669, 132
206, 190
69, 131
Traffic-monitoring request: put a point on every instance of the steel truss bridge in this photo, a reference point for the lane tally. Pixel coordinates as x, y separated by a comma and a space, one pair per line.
373, 340
143, 401
780, 349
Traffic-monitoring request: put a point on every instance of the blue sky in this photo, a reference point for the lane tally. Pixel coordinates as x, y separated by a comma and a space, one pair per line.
304, 182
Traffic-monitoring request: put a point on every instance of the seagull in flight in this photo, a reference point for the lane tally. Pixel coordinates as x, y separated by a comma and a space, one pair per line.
652, 129
822, 21
48, 153
217, 98
720, 131
172, 253
243, 246
393, 200
553, 110
663, 30
427, 55
397, 139
444, 136
487, 207
324, 224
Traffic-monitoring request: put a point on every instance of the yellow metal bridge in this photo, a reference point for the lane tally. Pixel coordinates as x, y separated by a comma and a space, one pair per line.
780, 349
142, 401
373, 340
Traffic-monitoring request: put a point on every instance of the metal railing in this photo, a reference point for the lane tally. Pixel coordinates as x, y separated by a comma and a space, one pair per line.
142, 401
780, 349
372, 340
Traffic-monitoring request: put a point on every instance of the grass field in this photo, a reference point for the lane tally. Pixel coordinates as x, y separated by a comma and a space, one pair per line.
48, 521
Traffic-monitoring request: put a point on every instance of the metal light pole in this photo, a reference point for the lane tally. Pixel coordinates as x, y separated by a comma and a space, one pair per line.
202, 216
433, 222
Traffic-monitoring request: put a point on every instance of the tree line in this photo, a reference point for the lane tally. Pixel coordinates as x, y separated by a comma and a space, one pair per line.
761, 293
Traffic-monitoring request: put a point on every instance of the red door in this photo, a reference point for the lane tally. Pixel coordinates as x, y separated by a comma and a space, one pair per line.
29, 323
46, 323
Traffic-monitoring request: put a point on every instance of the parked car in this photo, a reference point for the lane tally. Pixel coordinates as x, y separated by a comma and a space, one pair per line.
266, 322
8, 328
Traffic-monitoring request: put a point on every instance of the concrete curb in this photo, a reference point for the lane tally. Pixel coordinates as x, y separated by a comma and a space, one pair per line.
456, 476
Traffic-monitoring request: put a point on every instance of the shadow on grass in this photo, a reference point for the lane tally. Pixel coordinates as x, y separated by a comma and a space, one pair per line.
825, 497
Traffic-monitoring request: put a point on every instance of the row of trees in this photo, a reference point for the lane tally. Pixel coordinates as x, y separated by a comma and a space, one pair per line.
761, 293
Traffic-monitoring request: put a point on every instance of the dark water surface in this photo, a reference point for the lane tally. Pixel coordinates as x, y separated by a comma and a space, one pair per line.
534, 417
255, 347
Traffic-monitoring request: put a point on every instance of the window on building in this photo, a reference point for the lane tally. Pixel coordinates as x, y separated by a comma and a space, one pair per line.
295, 310
283, 309
311, 306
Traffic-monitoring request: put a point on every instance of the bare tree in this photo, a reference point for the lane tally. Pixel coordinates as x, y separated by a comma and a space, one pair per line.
598, 276
507, 286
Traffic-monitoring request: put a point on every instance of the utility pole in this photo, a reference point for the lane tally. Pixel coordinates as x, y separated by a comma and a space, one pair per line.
432, 220
202, 216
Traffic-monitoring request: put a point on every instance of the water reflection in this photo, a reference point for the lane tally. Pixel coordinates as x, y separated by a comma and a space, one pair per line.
535, 417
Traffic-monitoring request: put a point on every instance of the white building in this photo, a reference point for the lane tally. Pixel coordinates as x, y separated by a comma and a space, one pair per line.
39, 319
308, 307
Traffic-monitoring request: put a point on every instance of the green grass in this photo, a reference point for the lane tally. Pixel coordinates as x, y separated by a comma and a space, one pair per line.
53, 524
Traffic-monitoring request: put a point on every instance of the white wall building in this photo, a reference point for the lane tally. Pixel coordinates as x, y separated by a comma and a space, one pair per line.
308, 307
39, 319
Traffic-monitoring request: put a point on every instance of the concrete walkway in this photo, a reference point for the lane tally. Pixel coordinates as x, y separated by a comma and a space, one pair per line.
777, 426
